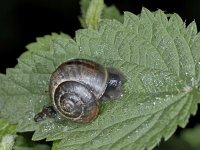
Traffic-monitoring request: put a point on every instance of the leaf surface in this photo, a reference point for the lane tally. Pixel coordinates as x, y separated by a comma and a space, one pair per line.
160, 59
94, 10
6, 128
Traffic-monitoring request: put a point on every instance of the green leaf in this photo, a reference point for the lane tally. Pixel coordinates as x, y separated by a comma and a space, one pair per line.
7, 142
6, 128
43, 43
22, 143
111, 12
92, 12
160, 59
14, 142
55, 145
84, 6
191, 136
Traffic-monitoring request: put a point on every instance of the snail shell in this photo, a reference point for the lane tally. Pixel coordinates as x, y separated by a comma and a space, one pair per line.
76, 87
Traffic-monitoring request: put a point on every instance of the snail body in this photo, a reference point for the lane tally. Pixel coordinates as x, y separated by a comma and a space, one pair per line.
77, 85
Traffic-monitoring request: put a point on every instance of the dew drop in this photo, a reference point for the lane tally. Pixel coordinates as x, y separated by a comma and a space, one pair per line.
187, 89
193, 81
65, 129
140, 104
30, 115
118, 129
80, 49
48, 127
157, 98
125, 110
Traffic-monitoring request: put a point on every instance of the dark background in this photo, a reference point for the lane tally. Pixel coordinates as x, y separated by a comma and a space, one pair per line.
21, 21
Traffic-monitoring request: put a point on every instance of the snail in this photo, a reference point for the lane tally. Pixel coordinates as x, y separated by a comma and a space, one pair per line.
76, 87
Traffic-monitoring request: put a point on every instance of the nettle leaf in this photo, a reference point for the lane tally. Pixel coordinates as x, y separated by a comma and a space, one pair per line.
111, 12
160, 59
6, 128
93, 10
84, 6
7, 142
55, 145
22, 143
43, 43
